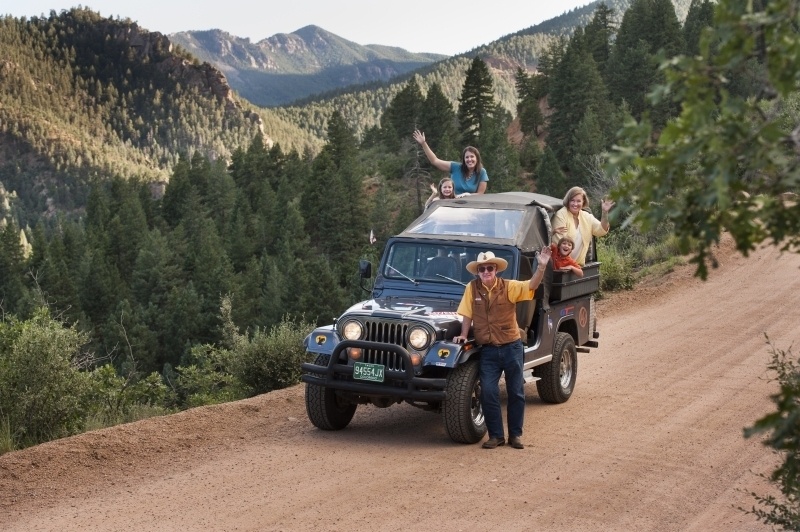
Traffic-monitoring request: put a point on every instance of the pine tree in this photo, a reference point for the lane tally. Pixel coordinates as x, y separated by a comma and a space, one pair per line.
240, 238
530, 155
341, 144
126, 229
648, 28
439, 122
699, 17
100, 288
476, 103
173, 204
166, 298
402, 115
315, 202
222, 199
549, 60
528, 112
341, 225
588, 141
13, 293
156, 271
599, 33
181, 325
56, 282
549, 177
500, 158
207, 266
576, 87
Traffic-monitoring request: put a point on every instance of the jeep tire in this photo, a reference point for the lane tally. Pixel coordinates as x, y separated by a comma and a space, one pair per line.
325, 408
462, 411
557, 377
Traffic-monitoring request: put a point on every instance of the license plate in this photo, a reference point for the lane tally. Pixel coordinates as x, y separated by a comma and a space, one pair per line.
368, 372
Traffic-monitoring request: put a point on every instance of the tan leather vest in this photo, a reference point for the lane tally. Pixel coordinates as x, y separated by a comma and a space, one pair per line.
494, 321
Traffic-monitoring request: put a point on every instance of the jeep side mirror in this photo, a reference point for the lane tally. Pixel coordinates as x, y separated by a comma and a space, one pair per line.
364, 269
364, 272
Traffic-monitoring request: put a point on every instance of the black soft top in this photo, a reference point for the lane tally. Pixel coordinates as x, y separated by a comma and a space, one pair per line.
520, 219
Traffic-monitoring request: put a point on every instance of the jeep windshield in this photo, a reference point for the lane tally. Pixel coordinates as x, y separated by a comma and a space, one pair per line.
438, 262
466, 221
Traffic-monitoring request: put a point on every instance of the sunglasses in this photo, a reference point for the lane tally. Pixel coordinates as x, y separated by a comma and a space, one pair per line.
488, 268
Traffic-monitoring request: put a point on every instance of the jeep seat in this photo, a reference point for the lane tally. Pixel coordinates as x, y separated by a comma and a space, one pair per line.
447, 266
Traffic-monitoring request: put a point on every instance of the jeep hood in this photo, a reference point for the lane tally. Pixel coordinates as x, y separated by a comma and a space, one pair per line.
436, 311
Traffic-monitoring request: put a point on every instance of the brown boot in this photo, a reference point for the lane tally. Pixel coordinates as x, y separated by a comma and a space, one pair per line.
515, 442
491, 443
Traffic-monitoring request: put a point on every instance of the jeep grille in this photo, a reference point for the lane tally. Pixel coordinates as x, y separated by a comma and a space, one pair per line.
387, 332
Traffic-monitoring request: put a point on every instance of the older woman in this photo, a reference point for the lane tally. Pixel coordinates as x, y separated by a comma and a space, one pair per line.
571, 220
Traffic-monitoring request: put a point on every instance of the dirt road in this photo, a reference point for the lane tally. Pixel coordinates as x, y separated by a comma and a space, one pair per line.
651, 440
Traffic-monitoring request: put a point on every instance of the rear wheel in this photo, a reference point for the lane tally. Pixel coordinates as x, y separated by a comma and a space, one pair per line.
325, 408
557, 377
461, 410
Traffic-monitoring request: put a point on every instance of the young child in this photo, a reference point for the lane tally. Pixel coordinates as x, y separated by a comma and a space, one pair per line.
445, 190
562, 259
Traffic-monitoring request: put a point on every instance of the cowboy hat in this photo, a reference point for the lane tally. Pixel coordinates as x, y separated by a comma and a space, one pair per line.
485, 258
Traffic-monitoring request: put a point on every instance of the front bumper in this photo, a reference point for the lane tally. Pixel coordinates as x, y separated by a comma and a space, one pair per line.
399, 384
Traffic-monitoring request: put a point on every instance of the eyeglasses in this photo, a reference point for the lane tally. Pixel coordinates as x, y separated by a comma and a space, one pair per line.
489, 268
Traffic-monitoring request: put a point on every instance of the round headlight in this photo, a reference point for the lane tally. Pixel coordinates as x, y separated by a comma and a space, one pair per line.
352, 330
418, 338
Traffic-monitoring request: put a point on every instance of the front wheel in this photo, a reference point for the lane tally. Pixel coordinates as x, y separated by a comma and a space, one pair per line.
324, 407
462, 411
557, 378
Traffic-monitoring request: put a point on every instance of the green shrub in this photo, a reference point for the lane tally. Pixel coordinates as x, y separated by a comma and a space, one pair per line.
615, 270
207, 379
44, 395
271, 360
116, 399
242, 366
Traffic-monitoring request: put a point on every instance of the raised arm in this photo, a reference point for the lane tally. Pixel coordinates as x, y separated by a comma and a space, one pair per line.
543, 258
437, 163
606, 205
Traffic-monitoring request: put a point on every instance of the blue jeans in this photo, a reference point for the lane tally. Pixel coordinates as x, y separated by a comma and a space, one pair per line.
494, 361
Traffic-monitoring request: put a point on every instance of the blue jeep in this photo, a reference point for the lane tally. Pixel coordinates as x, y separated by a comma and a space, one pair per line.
397, 346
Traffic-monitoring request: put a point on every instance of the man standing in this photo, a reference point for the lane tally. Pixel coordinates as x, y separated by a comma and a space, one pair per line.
489, 304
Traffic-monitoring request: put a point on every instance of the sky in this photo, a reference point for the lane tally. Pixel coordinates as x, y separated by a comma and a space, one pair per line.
447, 27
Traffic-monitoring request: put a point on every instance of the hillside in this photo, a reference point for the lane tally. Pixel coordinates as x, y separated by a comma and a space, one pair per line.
83, 96
286, 67
651, 440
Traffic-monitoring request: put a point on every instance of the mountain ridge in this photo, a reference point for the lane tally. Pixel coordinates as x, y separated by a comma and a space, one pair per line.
286, 67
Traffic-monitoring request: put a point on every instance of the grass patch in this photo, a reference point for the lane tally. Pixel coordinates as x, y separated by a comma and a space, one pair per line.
660, 269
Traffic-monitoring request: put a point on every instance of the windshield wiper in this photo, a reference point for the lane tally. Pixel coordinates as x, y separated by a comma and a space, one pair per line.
404, 275
451, 279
